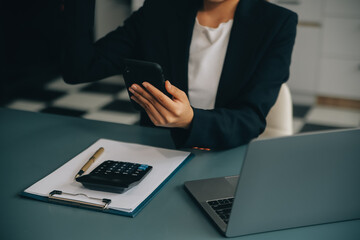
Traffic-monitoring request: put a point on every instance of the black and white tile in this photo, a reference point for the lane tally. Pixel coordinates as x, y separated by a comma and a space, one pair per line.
108, 100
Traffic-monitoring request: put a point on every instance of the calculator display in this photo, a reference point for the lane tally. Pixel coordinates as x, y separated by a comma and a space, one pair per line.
115, 176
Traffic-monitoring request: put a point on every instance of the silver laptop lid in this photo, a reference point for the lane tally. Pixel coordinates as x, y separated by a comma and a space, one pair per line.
297, 181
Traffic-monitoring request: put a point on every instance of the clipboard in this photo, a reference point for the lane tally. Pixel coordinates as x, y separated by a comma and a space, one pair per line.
60, 187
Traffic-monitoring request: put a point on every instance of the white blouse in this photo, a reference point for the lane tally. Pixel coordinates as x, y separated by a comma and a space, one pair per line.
206, 60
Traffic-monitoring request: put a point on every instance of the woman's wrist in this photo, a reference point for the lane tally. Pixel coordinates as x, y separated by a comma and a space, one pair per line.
189, 122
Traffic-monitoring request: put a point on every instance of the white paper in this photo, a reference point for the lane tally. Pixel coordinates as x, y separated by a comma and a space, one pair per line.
163, 161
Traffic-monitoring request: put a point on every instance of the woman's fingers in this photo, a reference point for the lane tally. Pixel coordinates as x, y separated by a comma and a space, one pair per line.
157, 100
175, 92
150, 109
160, 97
152, 118
162, 110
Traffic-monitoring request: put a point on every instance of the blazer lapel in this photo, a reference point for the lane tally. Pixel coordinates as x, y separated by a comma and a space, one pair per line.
180, 34
240, 50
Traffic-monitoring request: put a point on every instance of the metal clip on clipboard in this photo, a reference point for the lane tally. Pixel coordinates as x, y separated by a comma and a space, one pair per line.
103, 206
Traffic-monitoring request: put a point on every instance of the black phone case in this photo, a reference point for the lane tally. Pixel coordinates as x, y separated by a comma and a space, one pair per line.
137, 71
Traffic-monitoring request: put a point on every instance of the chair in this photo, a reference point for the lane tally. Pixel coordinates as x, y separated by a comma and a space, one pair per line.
280, 118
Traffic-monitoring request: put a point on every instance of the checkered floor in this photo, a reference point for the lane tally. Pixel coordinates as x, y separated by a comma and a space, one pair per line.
108, 100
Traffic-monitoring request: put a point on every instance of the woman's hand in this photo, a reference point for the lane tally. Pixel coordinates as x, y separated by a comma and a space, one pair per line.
162, 110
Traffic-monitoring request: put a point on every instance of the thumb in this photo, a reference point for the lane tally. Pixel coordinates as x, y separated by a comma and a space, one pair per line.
174, 91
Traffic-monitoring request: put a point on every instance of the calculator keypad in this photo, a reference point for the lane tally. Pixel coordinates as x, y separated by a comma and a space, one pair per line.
114, 169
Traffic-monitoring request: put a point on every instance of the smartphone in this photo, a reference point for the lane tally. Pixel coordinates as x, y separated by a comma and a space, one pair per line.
137, 71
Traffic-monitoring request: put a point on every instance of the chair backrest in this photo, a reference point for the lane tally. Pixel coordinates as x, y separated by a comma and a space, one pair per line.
279, 121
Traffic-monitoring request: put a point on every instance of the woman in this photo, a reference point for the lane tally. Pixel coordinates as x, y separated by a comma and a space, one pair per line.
225, 59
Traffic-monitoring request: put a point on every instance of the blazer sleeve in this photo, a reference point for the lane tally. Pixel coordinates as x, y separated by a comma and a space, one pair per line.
86, 61
245, 119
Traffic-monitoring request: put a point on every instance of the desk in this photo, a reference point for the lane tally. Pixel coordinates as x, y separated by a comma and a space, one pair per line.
34, 144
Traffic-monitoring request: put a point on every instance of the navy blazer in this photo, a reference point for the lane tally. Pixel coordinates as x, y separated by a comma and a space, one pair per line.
256, 64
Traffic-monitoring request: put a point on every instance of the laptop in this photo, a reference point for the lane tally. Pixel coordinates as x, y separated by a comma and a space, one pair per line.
286, 182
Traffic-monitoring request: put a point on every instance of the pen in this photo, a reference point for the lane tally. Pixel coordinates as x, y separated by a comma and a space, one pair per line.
90, 161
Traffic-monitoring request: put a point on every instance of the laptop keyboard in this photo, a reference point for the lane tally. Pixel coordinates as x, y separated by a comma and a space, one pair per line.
222, 207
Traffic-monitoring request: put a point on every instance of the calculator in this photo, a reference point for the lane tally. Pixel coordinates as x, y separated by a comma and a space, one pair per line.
115, 176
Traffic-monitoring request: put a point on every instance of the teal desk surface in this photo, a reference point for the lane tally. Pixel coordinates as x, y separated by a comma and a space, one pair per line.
32, 145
